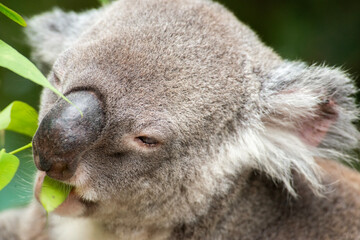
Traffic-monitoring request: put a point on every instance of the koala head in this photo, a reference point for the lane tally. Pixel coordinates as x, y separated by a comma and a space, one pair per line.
180, 101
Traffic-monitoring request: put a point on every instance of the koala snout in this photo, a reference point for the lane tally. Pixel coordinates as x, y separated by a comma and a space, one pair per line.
64, 134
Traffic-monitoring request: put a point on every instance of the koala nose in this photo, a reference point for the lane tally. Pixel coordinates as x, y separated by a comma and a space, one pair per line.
64, 134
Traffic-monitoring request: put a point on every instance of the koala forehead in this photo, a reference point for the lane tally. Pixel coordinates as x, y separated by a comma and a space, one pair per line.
155, 59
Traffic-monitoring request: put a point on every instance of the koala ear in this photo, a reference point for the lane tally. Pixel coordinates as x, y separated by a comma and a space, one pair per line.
313, 102
53, 32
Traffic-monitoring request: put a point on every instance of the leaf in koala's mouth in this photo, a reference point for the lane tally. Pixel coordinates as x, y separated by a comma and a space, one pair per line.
53, 193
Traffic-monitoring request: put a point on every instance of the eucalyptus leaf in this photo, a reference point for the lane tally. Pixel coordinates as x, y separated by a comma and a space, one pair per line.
2, 138
19, 117
104, 2
14, 61
53, 193
12, 15
8, 167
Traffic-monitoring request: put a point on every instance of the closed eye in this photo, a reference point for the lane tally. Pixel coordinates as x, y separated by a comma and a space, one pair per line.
55, 79
148, 141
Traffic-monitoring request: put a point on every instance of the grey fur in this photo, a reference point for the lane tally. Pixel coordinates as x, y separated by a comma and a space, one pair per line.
62, 28
239, 127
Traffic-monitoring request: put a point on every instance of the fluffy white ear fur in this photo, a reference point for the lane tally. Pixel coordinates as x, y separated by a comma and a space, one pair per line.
296, 96
307, 112
53, 32
275, 152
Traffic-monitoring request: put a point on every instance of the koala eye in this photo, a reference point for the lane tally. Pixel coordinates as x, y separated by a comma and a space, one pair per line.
55, 79
148, 141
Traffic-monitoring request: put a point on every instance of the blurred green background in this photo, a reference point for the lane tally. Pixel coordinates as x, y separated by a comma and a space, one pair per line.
316, 31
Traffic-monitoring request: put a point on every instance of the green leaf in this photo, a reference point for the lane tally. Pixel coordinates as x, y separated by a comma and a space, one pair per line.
8, 166
19, 117
12, 15
14, 61
2, 138
53, 193
104, 2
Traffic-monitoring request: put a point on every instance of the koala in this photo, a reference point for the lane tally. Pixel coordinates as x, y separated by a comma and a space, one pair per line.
192, 128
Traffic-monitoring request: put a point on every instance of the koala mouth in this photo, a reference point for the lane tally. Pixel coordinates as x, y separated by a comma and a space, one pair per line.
73, 206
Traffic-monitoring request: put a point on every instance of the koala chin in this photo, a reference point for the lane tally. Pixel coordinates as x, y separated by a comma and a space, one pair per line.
192, 129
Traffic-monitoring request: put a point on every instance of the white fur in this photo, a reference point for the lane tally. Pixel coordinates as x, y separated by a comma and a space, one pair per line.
76, 229
86, 229
273, 151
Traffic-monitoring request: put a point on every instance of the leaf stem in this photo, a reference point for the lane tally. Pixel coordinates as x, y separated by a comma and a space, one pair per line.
21, 149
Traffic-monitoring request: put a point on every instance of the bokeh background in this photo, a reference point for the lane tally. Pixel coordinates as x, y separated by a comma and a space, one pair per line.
316, 31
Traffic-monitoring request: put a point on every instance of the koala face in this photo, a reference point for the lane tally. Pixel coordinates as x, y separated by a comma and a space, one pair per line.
179, 99
157, 94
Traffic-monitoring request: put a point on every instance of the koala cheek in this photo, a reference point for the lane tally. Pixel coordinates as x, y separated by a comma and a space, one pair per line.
64, 134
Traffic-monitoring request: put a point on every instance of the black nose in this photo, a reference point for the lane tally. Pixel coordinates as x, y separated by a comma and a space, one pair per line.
64, 134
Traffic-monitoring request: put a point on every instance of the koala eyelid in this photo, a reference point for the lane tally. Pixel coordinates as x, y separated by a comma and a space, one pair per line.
56, 79
148, 141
